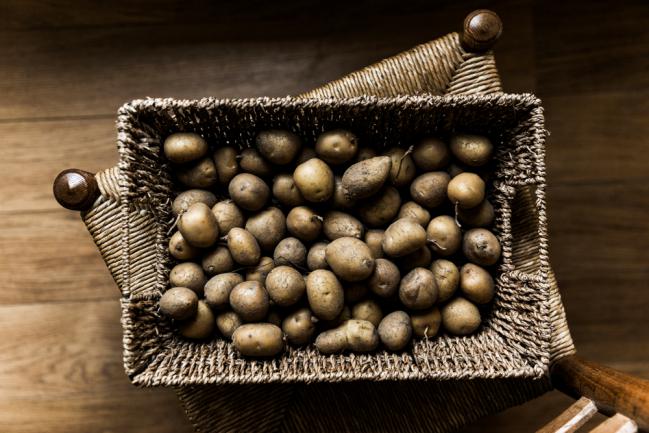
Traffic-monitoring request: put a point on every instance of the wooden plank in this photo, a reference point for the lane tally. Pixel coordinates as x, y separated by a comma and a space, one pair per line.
616, 424
572, 418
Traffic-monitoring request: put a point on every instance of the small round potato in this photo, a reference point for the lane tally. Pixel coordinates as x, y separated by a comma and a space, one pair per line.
188, 275
299, 327
325, 294
183, 147
350, 259
447, 277
384, 281
198, 174
201, 326
227, 322
198, 226
332, 341
285, 286
336, 147
481, 247
361, 335
305, 154
225, 160
340, 224
415, 211
268, 227
286, 192
365, 153
179, 303
473, 150
422, 258
250, 301
248, 191
374, 240
395, 330
429, 190
354, 292
460, 317
187, 198
366, 178
340, 199
228, 215
261, 271
243, 246
315, 259
444, 236
426, 323
315, 180
290, 252
402, 237
252, 162
381, 209
218, 288
402, 170
180, 249
303, 223
368, 310
466, 190
217, 261
476, 284
418, 290
480, 216
431, 154
278, 146
258, 339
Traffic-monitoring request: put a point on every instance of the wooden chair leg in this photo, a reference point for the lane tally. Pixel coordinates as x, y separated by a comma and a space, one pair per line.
616, 424
572, 418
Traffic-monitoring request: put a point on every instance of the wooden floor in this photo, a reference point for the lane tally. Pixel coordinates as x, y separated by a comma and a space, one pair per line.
66, 66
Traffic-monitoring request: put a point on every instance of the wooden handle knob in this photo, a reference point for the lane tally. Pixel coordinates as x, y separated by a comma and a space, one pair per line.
76, 189
482, 29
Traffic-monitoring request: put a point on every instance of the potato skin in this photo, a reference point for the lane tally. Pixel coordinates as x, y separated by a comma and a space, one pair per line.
225, 161
315, 259
217, 261
188, 275
315, 180
366, 178
325, 294
418, 290
243, 246
403, 169
476, 284
180, 249
395, 330
198, 174
228, 215
261, 271
460, 317
278, 146
286, 192
482, 215
187, 198
447, 277
252, 162
402, 237
332, 341
227, 322
258, 339
179, 303
339, 224
444, 236
218, 288
426, 324
303, 223
268, 227
422, 258
198, 226
429, 189
481, 247
472, 150
337, 146
384, 281
339, 199
201, 326
381, 209
466, 190
248, 191
368, 310
290, 252
349, 258
414, 211
431, 154
285, 286
250, 301
374, 240
183, 147
361, 335
299, 327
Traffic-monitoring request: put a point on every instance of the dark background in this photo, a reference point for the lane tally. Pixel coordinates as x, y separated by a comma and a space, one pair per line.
66, 66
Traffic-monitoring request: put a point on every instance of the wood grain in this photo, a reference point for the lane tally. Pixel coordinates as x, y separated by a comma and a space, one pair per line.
571, 419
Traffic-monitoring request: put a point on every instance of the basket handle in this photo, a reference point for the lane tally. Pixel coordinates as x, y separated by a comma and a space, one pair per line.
76, 189
482, 29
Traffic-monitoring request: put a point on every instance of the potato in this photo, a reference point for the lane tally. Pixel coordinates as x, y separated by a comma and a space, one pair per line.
418, 290
285, 286
402, 237
225, 161
261, 271
258, 339
340, 199
303, 223
350, 259
384, 281
466, 190
480, 216
243, 246
274, 317
299, 327
188, 275
395, 330
444, 236
315, 259
198, 174
325, 294
180, 249
268, 227
366, 178
429, 190
250, 301
344, 316
290, 252
426, 323
315, 180
305, 154
339, 224
368, 310
252, 162
278, 146
218, 288
473, 150
365, 153
381, 209
421, 258
286, 192
228, 215
374, 240
447, 278
415, 211
460, 317
454, 169
431, 154
476, 284
183, 147
332, 341
227, 322
201, 326
403, 168
248, 191
481, 247
179, 303
354, 292
217, 261
198, 226
336, 147
361, 335
187, 198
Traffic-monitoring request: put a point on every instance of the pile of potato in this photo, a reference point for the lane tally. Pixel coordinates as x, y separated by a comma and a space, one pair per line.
347, 247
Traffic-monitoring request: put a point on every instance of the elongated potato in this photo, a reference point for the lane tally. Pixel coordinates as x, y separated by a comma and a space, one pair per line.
243, 246
201, 326
198, 226
325, 294
218, 288
444, 235
447, 278
187, 198
481, 247
315, 180
332, 341
299, 327
228, 215
431, 154
340, 224
418, 290
250, 301
183, 147
286, 192
366, 178
258, 339
180, 249
225, 160
248, 191
268, 227
460, 317
429, 190
198, 174
415, 211
217, 261
337, 146
188, 275
403, 169
384, 281
285, 286
278, 146
426, 323
350, 259
395, 330
290, 252
402, 237
303, 223
379, 210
